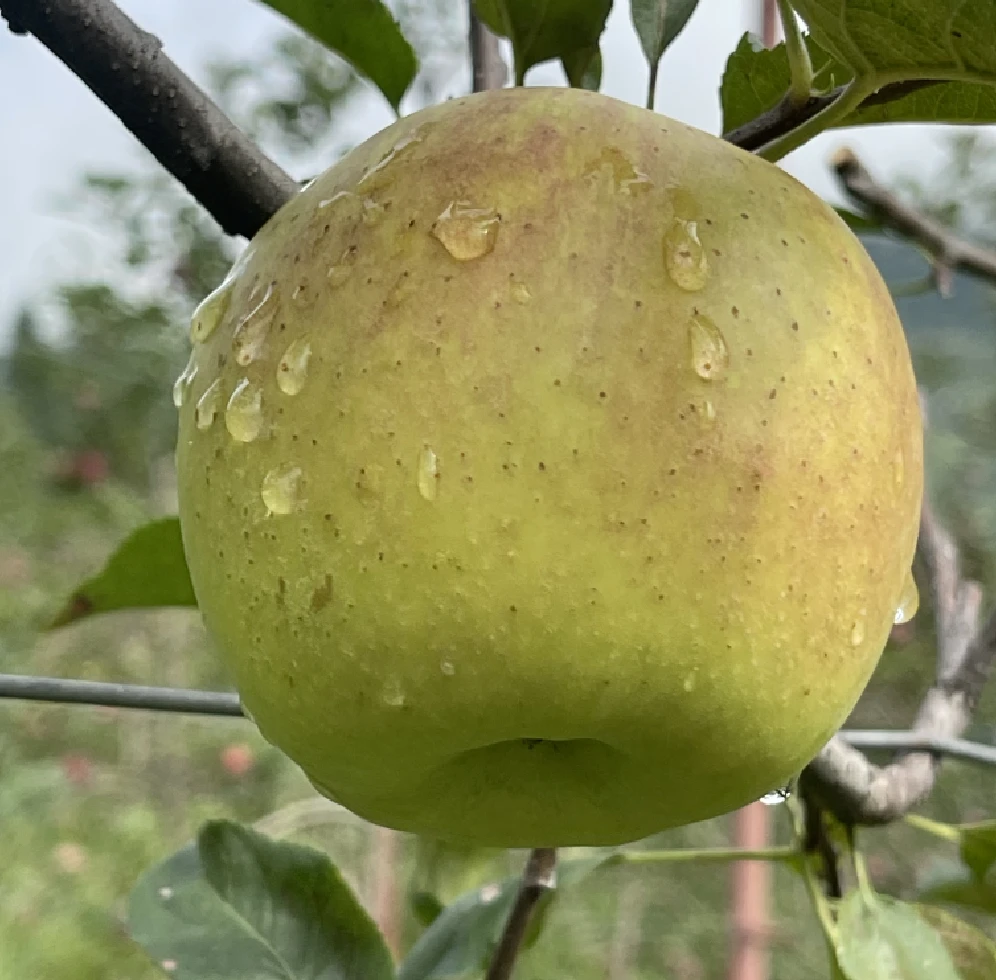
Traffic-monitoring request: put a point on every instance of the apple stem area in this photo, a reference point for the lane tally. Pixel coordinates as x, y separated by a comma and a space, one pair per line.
539, 877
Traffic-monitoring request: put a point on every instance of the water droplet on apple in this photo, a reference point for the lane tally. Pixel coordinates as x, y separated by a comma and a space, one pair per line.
776, 796
183, 382
207, 405
343, 269
710, 355
520, 293
249, 340
689, 683
165, 893
447, 668
428, 474
244, 413
292, 371
909, 600
393, 694
372, 211
211, 311
684, 257
614, 167
467, 232
376, 177
280, 489
857, 633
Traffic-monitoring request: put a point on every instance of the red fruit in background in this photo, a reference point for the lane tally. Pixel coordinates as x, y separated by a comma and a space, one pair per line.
78, 769
237, 759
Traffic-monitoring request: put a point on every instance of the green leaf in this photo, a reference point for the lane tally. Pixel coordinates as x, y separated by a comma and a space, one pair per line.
973, 952
978, 846
541, 30
940, 39
362, 32
584, 69
238, 905
756, 78
879, 938
858, 222
959, 886
463, 936
148, 570
658, 23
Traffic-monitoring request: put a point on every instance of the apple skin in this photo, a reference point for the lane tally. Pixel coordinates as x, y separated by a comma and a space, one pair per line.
595, 533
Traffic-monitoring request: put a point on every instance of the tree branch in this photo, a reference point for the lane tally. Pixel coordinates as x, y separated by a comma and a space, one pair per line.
787, 114
950, 252
538, 878
177, 122
489, 68
841, 778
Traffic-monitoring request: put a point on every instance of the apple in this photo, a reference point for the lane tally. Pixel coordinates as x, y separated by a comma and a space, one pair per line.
549, 473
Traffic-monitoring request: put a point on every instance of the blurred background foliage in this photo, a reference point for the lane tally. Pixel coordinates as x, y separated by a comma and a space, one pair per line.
89, 798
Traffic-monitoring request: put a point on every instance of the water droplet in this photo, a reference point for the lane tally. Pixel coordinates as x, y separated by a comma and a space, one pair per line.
184, 381
244, 414
857, 633
393, 695
777, 796
899, 468
613, 165
428, 474
689, 683
710, 355
489, 893
280, 489
208, 404
467, 232
372, 211
520, 293
292, 371
684, 257
447, 668
249, 340
335, 198
376, 177
342, 269
165, 893
211, 311
909, 601
168, 965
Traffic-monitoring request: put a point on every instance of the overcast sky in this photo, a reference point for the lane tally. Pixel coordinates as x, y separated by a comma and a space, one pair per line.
52, 127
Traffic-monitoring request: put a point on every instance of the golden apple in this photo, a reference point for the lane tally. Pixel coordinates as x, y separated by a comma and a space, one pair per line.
550, 473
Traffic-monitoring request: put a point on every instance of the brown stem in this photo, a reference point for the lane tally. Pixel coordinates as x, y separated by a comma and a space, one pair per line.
538, 878
489, 68
183, 129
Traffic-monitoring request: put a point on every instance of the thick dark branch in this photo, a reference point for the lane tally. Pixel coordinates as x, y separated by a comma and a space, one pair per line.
786, 115
841, 777
538, 878
489, 68
185, 131
949, 251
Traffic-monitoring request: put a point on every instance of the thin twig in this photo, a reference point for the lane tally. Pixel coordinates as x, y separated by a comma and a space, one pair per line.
786, 114
56, 690
60, 690
489, 68
950, 252
176, 121
538, 878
